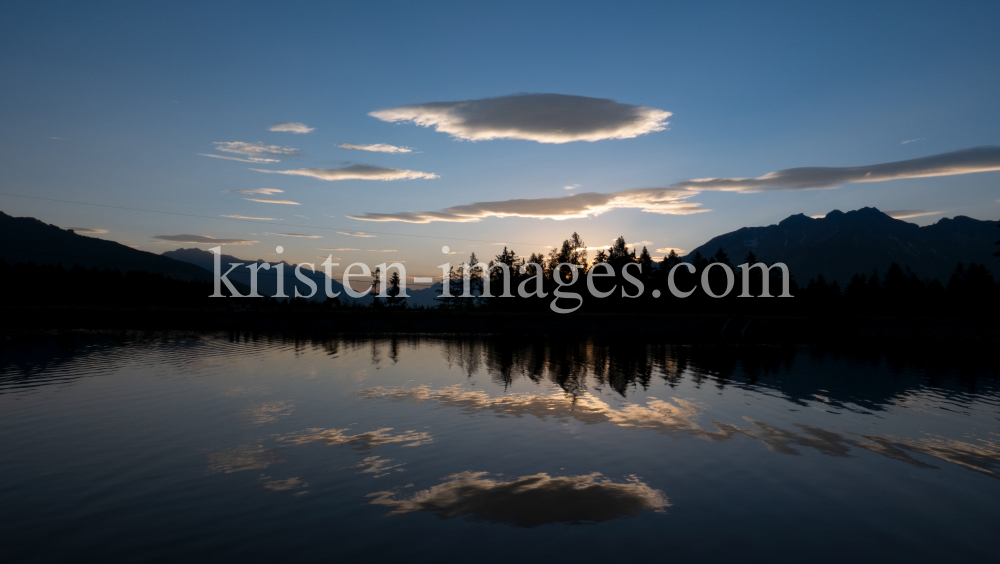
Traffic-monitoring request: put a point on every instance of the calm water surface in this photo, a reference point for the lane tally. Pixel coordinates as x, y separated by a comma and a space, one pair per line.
222, 447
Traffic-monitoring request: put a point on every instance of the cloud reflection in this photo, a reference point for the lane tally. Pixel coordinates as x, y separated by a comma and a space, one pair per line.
677, 418
530, 501
364, 441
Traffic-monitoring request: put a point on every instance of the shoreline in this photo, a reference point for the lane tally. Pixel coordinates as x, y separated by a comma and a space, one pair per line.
678, 328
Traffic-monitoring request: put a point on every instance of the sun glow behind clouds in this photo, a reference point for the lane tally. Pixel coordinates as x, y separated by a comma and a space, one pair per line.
674, 198
575, 206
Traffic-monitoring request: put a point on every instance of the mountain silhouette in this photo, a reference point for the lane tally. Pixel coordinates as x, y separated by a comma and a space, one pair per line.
28, 240
267, 281
840, 245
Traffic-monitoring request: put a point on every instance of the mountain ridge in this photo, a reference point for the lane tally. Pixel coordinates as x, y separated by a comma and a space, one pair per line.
841, 244
30, 240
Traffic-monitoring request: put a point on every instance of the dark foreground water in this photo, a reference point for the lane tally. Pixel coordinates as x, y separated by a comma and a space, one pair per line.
233, 448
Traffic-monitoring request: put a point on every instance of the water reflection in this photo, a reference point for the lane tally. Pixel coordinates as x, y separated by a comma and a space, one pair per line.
676, 418
285, 485
530, 501
363, 441
241, 458
575, 365
264, 413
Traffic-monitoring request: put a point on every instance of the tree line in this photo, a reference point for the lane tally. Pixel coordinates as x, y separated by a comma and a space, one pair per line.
897, 291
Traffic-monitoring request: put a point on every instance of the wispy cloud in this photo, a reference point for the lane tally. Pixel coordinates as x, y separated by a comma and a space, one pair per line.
291, 127
248, 217
296, 235
674, 198
382, 251
376, 148
977, 159
355, 234
255, 160
586, 204
261, 191
341, 249
545, 118
88, 230
257, 149
266, 201
571, 187
355, 172
908, 141
58, 138
907, 214
666, 250
201, 240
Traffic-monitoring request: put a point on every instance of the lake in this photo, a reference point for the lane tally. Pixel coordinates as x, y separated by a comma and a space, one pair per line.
170, 447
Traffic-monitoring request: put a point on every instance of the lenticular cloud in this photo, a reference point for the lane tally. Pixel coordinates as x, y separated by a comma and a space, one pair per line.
545, 118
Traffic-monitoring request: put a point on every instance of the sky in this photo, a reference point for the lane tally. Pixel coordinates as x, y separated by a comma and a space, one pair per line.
395, 130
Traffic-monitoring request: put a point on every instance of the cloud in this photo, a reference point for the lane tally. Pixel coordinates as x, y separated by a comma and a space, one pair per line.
530, 501
355, 172
262, 191
585, 204
908, 141
257, 149
341, 249
266, 201
376, 148
666, 250
87, 230
966, 161
545, 118
58, 138
201, 240
255, 160
291, 127
382, 251
248, 217
906, 214
296, 235
355, 234
571, 187
673, 199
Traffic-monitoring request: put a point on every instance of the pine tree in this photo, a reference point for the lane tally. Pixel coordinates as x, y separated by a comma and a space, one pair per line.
393, 292
646, 261
721, 257
475, 276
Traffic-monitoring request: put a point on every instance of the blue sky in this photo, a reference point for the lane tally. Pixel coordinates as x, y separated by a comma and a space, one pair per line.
115, 104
